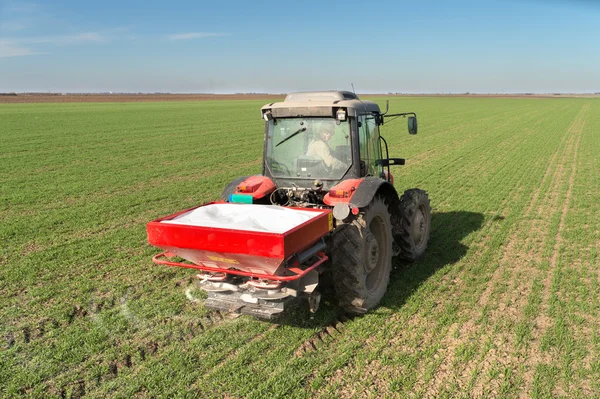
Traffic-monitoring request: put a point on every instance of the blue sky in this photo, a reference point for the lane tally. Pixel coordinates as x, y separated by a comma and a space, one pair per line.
241, 46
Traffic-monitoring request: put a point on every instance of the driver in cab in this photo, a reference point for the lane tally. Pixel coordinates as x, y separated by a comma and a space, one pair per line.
319, 148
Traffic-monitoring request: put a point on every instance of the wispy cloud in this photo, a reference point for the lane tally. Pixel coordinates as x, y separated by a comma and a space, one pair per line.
17, 47
77, 38
10, 49
194, 35
23, 7
29, 28
11, 26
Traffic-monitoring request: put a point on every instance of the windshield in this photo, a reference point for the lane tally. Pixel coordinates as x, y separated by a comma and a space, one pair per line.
308, 148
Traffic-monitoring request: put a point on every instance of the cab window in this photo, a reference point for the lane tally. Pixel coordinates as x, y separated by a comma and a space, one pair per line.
370, 149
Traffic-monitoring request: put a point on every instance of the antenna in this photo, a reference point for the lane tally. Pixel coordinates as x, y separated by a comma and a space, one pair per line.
364, 105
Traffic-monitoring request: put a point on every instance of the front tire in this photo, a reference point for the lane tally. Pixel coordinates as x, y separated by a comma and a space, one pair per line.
362, 259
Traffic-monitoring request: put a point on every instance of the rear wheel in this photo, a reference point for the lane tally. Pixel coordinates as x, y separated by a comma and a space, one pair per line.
362, 259
416, 223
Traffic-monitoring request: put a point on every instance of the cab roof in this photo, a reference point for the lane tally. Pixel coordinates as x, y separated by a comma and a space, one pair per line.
320, 103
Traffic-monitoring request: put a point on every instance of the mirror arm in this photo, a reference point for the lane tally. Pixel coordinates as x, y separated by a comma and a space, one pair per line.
387, 107
387, 153
405, 114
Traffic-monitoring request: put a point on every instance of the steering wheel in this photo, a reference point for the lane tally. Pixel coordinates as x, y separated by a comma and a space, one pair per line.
278, 167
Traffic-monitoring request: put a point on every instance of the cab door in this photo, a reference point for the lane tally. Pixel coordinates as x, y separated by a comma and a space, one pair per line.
369, 145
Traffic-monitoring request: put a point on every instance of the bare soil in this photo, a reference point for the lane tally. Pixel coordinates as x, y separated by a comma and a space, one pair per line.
95, 98
23, 98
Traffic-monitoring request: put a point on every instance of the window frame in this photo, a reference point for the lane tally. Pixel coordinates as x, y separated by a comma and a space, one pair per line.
372, 143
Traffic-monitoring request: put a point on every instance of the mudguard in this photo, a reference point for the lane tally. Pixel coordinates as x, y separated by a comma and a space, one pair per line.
365, 192
231, 187
257, 186
358, 193
342, 192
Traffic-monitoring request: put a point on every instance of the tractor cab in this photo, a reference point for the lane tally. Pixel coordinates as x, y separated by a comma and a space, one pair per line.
325, 137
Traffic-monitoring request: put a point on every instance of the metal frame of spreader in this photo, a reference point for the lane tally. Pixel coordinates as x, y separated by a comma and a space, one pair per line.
245, 271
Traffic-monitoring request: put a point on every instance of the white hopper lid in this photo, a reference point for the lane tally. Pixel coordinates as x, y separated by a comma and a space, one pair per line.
261, 218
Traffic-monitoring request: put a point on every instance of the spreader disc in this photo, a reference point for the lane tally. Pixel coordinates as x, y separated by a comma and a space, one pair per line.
270, 295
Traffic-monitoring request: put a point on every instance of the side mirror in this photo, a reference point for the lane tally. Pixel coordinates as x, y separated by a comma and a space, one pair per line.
412, 125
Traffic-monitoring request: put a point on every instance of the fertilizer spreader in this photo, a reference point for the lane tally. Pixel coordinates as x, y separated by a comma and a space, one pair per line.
252, 258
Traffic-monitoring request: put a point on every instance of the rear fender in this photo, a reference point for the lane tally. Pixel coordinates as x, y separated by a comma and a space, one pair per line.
363, 196
368, 188
230, 189
257, 186
343, 192
358, 193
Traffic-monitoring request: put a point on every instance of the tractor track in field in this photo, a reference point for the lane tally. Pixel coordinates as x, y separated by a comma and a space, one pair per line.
324, 336
233, 354
542, 322
496, 275
584, 272
133, 356
102, 302
523, 252
182, 335
29, 333
514, 283
130, 356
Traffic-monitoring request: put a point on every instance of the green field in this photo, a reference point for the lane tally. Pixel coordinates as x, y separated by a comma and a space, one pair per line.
505, 303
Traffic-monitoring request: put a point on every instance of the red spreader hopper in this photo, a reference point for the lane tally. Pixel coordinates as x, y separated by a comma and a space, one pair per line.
260, 241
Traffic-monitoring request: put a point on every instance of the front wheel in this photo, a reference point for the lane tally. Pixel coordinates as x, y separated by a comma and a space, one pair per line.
416, 223
362, 259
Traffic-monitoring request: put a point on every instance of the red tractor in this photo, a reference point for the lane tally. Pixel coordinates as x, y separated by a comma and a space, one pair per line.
325, 204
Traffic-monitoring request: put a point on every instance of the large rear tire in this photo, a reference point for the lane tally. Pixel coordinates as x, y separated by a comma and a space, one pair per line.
416, 223
362, 259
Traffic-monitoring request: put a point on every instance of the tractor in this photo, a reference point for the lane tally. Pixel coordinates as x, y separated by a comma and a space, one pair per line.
324, 207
